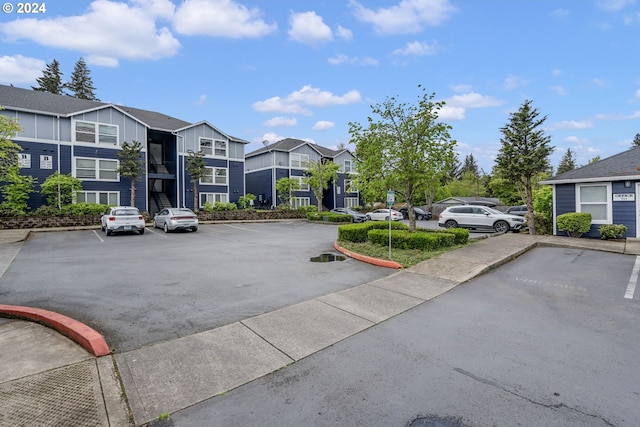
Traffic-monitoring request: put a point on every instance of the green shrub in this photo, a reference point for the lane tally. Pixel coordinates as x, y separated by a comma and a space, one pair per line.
461, 234
218, 206
612, 231
308, 209
544, 223
404, 239
328, 216
357, 233
574, 223
46, 210
84, 209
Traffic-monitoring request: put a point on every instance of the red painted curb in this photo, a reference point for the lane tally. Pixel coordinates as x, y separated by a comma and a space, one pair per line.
368, 259
86, 337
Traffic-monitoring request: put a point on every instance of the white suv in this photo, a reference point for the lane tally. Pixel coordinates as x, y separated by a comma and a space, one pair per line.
120, 219
473, 217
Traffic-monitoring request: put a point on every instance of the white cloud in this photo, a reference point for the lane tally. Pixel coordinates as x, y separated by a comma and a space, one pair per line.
637, 95
344, 59
559, 90
281, 121
571, 124
451, 113
461, 88
417, 48
560, 13
323, 125
344, 33
20, 69
632, 116
473, 100
108, 31
298, 101
556, 72
513, 82
614, 5
599, 82
221, 18
271, 137
408, 16
309, 28
202, 100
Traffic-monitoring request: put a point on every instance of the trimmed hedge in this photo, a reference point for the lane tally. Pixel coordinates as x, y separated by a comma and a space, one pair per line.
461, 235
403, 239
574, 223
329, 216
357, 233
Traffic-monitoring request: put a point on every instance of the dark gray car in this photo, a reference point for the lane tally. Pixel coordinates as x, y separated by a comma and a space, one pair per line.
356, 216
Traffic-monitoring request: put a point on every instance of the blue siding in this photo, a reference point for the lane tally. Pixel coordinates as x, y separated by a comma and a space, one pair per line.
259, 184
236, 180
624, 212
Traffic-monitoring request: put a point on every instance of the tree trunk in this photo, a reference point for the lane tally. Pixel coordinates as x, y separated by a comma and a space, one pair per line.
529, 200
133, 191
195, 196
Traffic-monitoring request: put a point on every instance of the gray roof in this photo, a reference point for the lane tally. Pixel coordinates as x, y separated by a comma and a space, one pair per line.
625, 165
289, 144
49, 103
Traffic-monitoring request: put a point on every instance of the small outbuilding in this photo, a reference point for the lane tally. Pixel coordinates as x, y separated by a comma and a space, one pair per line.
607, 189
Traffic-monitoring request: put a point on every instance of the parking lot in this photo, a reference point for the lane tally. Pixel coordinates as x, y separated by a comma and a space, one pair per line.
141, 289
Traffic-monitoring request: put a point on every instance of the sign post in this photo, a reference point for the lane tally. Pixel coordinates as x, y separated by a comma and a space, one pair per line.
391, 199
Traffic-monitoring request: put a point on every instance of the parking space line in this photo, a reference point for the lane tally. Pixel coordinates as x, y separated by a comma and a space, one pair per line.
98, 236
631, 288
152, 231
241, 228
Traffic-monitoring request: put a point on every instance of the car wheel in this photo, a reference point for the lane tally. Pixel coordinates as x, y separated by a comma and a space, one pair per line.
368, 218
141, 231
450, 224
421, 217
155, 224
101, 227
386, 218
194, 229
106, 230
166, 228
501, 226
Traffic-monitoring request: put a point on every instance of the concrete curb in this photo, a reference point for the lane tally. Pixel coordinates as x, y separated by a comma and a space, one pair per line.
86, 337
367, 259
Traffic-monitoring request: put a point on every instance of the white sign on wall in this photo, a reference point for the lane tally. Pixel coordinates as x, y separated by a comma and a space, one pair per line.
624, 197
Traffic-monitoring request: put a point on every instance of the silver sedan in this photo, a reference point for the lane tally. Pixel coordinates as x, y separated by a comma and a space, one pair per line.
176, 219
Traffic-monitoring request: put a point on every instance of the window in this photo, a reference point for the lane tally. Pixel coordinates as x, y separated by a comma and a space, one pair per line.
303, 185
102, 197
206, 146
351, 202
217, 176
300, 201
297, 160
349, 187
98, 169
349, 167
46, 162
24, 160
220, 148
213, 198
594, 199
105, 134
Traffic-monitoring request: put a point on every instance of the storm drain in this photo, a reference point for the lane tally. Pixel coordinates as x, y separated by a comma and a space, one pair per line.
61, 397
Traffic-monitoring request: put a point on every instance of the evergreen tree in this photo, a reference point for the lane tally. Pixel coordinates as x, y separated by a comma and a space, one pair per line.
470, 166
525, 152
51, 80
636, 140
81, 84
131, 165
568, 162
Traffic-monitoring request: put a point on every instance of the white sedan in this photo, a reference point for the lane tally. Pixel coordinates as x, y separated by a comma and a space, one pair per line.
120, 219
383, 215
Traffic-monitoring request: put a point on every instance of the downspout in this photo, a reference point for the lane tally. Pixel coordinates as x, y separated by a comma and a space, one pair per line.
58, 166
273, 182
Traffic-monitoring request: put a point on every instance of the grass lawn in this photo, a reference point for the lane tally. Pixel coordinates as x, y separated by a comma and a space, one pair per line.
406, 257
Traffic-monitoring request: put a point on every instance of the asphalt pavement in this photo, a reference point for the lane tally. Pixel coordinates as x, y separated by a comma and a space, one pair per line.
50, 379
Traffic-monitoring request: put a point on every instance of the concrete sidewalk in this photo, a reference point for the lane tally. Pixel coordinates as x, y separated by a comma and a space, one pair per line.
49, 380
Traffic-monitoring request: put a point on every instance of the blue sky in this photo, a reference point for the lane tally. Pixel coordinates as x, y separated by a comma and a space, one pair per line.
265, 69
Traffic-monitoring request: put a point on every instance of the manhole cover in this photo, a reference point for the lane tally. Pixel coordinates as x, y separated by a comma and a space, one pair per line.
328, 258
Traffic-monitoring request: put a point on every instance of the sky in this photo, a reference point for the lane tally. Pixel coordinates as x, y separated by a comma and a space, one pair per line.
264, 70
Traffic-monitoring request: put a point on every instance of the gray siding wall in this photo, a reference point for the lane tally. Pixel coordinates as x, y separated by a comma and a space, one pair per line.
261, 161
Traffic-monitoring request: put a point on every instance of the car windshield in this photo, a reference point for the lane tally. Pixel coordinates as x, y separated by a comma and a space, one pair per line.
181, 212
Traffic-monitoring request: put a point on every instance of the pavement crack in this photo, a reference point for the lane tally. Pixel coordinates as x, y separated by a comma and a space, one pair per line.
545, 405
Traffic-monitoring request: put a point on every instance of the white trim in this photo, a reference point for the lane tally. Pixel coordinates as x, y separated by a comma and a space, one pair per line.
213, 195
554, 210
637, 203
96, 161
213, 176
602, 179
97, 195
608, 201
96, 133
